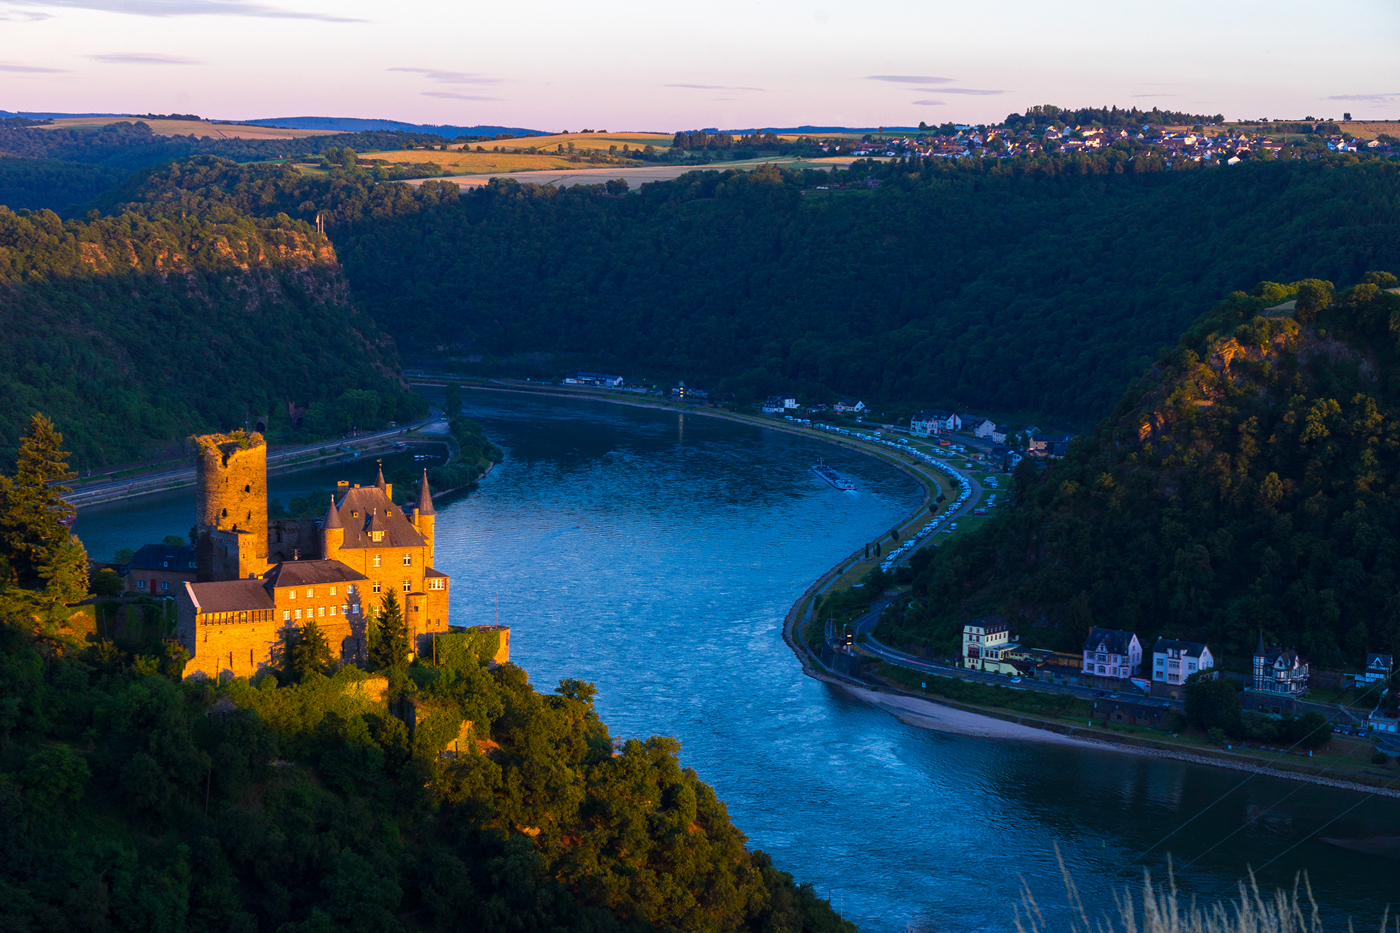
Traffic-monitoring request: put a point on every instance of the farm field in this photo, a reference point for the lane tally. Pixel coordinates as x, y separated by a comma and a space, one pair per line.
456, 161
634, 175
188, 127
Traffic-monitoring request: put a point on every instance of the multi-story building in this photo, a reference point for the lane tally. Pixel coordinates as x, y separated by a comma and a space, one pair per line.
1173, 663
931, 422
237, 616
1109, 652
160, 570
1279, 671
988, 645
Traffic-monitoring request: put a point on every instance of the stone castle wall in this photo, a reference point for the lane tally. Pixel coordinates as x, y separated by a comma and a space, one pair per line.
231, 496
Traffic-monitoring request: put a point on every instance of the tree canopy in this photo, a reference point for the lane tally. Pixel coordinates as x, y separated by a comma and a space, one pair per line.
1247, 481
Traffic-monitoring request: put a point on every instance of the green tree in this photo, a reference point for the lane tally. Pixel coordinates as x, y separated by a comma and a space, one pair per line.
43, 567
1313, 296
1213, 704
452, 403
388, 641
308, 651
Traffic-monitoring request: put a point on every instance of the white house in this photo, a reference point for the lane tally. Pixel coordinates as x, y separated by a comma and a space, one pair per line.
931, 422
850, 405
773, 404
1000, 433
1109, 652
1378, 669
988, 644
1173, 662
984, 428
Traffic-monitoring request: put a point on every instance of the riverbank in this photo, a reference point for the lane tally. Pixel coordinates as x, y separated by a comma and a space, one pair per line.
938, 714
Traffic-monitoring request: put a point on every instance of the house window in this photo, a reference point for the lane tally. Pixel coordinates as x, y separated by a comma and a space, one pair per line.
407, 586
436, 583
408, 560
286, 615
165, 587
377, 560
375, 588
140, 584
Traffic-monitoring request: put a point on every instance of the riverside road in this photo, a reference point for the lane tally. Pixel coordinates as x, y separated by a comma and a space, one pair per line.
279, 461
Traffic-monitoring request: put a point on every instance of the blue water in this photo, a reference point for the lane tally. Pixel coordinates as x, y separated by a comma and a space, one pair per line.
656, 555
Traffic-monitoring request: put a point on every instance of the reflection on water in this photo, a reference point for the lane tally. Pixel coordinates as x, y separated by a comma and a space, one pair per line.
656, 555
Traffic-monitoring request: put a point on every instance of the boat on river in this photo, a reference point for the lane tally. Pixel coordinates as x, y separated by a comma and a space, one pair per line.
832, 477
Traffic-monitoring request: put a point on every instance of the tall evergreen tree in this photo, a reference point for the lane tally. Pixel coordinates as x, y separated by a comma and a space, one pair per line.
43, 567
388, 638
309, 651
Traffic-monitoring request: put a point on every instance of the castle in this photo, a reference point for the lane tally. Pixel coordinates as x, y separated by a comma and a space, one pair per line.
249, 591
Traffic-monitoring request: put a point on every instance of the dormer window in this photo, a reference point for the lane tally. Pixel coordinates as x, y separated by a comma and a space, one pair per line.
376, 536
354, 513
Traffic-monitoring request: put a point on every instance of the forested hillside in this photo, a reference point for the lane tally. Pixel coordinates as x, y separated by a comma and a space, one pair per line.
130, 145
302, 803
1248, 480
134, 332
1039, 286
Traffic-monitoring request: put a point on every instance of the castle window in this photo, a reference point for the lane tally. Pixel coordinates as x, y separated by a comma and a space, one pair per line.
291, 594
310, 593
247, 488
332, 610
407, 586
322, 611
375, 588
377, 560
354, 513
436, 583
225, 513
332, 591
408, 560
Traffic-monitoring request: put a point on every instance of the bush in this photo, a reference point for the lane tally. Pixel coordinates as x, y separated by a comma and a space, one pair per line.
1216, 736
1213, 704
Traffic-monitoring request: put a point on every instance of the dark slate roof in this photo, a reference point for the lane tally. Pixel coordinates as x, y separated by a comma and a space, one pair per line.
310, 573
992, 624
431, 572
164, 557
425, 497
933, 415
231, 596
375, 508
1191, 649
332, 519
1382, 661
1114, 640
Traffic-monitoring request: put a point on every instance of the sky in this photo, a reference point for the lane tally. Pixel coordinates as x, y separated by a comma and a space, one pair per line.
667, 66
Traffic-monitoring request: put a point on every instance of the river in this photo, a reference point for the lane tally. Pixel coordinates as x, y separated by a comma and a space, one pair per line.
655, 554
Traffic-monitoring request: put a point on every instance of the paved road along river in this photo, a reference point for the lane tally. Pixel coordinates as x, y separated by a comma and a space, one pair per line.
656, 555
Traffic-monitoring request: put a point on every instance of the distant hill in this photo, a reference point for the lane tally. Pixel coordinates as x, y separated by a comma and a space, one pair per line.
1248, 480
133, 333
356, 125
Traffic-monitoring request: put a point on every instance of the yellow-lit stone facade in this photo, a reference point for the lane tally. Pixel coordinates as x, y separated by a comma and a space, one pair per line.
234, 621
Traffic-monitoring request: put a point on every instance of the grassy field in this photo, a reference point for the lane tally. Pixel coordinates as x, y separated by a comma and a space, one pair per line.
598, 141
186, 127
476, 163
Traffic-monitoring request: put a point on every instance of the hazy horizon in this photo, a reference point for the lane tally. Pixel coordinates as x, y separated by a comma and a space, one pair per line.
624, 65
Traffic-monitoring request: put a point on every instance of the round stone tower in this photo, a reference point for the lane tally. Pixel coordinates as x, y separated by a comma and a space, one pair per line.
231, 504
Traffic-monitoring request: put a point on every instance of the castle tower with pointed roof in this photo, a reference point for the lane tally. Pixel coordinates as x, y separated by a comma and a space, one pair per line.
234, 619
